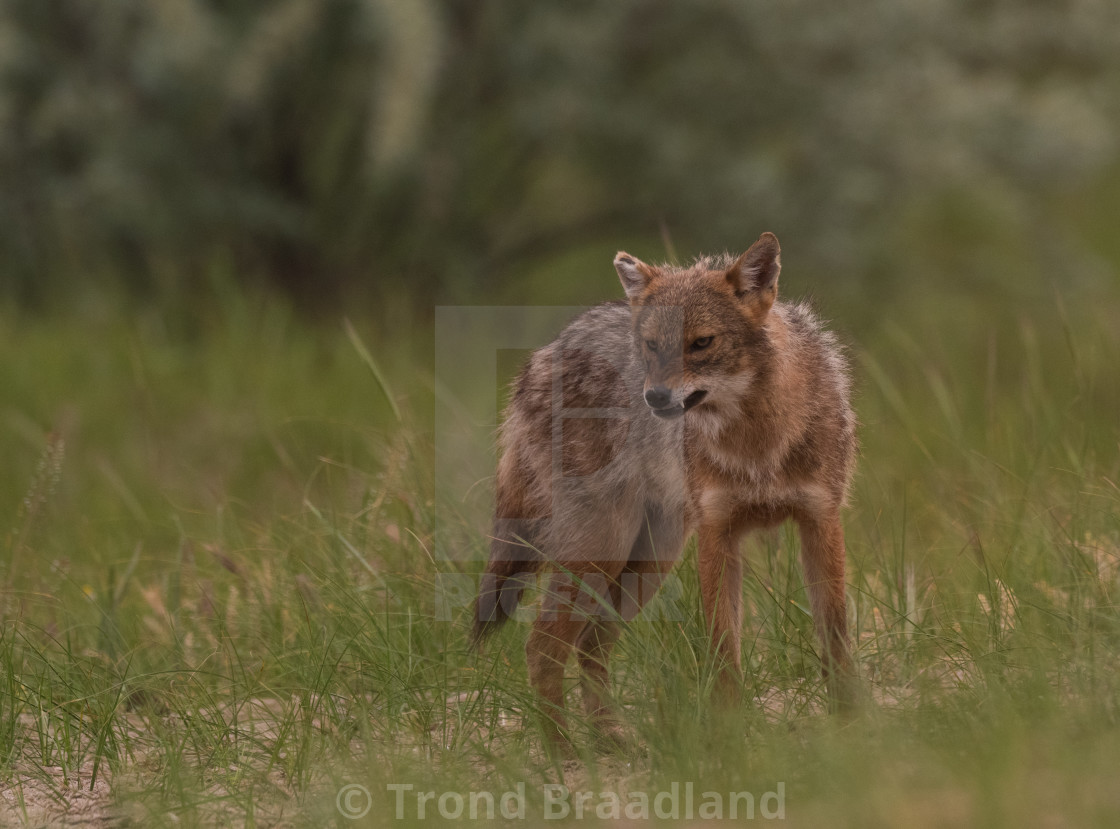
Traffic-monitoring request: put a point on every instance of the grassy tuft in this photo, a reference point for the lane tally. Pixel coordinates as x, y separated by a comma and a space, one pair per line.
221, 600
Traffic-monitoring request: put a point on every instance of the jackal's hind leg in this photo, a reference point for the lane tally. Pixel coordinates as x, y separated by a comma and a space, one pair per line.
593, 653
577, 612
546, 652
652, 555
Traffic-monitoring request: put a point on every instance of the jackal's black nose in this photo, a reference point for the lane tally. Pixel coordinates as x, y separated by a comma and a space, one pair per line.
658, 397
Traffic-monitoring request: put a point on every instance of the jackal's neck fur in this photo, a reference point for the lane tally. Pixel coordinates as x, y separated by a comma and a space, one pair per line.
767, 408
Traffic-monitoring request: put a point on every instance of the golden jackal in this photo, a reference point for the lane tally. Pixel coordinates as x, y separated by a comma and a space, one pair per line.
701, 404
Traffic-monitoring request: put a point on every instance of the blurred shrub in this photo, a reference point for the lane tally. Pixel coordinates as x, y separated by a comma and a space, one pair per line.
433, 146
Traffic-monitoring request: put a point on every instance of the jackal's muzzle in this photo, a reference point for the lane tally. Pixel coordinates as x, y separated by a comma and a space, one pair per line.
660, 400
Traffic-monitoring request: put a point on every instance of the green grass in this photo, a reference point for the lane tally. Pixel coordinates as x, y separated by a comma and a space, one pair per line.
219, 585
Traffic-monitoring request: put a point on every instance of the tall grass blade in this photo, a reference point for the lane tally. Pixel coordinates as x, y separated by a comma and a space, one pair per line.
367, 358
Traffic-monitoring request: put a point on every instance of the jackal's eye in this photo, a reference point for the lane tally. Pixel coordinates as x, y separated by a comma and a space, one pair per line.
700, 343
652, 345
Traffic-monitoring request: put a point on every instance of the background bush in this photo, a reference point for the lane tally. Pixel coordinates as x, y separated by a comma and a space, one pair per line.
446, 150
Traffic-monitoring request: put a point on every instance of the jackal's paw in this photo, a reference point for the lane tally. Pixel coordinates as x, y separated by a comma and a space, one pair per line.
612, 738
559, 748
847, 698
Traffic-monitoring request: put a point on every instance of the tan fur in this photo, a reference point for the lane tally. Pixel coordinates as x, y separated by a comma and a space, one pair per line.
703, 405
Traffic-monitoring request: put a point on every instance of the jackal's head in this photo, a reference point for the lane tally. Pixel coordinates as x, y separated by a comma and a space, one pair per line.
701, 330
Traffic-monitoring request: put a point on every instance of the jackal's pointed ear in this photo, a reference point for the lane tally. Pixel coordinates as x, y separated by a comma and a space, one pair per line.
634, 274
754, 276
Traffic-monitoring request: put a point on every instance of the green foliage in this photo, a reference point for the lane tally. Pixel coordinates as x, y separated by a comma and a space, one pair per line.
441, 149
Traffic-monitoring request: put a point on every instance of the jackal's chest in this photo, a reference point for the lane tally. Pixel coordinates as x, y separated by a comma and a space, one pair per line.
747, 488
665, 475
741, 507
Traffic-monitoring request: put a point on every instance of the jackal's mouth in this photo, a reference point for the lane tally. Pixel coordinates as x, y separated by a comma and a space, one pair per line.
669, 412
694, 398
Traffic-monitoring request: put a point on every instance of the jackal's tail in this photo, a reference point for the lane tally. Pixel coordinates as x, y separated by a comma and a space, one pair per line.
511, 567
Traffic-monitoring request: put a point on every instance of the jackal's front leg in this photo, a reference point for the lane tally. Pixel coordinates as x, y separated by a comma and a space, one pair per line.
721, 577
822, 557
